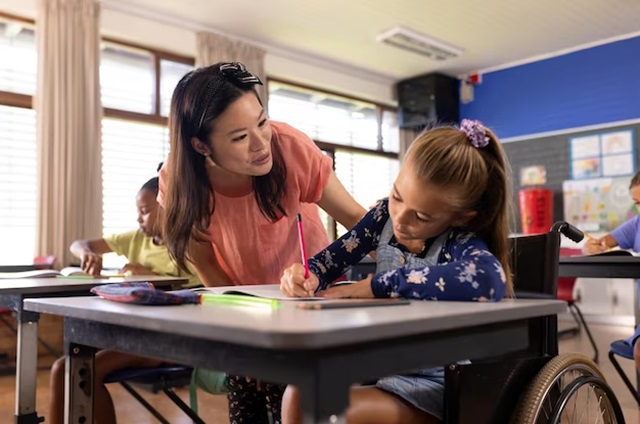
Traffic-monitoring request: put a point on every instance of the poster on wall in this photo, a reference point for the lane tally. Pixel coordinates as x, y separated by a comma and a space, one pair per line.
617, 165
585, 168
599, 204
608, 154
585, 147
533, 176
617, 142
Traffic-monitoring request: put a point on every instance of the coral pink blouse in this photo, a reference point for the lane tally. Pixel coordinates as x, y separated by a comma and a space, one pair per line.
254, 250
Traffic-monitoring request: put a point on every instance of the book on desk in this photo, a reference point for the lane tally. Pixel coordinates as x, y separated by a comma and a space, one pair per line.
68, 272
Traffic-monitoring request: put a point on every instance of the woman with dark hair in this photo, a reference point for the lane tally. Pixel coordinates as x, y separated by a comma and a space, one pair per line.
232, 188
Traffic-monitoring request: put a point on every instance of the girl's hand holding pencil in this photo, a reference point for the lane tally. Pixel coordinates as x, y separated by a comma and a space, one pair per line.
595, 245
294, 284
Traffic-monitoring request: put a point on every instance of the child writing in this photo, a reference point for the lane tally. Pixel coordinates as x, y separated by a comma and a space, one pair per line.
441, 235
147, 255
627, 235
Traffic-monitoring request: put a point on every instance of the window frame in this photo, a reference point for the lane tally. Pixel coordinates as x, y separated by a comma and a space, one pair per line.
330, 148
158, 56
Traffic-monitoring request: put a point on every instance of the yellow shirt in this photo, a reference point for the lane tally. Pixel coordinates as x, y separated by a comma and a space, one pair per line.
138, 248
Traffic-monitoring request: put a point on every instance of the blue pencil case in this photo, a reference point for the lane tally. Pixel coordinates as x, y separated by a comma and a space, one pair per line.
143, 293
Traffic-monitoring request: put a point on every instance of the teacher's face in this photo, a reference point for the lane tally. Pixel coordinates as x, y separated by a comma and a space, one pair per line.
241, 138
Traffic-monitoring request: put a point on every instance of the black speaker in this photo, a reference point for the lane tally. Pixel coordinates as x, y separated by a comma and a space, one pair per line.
428, 99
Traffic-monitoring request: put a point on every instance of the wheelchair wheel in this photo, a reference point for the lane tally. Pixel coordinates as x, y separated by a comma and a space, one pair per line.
569, 389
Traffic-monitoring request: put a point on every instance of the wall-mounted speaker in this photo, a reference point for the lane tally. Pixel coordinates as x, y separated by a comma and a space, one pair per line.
428, 99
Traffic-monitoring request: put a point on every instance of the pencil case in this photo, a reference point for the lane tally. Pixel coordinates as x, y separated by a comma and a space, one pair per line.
143, 293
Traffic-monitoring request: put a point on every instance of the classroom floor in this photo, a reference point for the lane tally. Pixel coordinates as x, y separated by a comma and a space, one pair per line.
213, 409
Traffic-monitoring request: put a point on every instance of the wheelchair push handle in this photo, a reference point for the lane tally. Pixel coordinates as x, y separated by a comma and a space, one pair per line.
568, 230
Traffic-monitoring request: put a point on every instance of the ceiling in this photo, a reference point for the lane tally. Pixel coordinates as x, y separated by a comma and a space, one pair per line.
491, 32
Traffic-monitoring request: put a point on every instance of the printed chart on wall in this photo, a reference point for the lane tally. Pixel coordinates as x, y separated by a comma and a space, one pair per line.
597, 204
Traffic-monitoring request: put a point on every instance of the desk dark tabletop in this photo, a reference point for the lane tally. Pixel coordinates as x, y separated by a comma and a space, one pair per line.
599, 266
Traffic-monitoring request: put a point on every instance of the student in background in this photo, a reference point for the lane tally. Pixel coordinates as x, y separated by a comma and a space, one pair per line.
627, 235
232, 187
147, 255
441, 235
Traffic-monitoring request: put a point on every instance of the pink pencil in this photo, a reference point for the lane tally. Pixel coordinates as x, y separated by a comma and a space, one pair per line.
303, 247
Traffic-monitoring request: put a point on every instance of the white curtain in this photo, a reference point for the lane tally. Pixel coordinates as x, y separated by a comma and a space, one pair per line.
213, 48
68, 116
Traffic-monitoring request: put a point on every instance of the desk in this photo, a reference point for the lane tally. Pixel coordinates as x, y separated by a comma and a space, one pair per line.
323, 352
603, 267
12, 296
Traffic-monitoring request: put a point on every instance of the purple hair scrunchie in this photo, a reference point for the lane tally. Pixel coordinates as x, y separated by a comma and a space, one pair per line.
475, 132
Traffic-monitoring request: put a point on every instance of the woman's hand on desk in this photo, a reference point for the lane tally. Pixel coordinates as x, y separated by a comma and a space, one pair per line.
293, 283
360, 289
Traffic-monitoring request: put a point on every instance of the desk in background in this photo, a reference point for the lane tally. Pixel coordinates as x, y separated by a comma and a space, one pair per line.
323, 352
603, 267
12, 296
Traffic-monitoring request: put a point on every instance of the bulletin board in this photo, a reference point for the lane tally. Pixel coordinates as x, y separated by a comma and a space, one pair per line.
597, 205
552, 153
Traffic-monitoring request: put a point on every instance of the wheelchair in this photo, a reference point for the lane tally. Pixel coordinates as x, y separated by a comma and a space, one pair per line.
535, 386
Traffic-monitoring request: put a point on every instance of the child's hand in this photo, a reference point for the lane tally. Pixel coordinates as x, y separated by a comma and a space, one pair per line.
293, 283
135, 269
593, 246
361, 289
91, 264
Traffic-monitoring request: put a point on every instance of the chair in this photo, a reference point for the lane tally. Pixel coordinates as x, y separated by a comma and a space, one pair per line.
565, 292
623, 349
159, 378
44, 261
534, 264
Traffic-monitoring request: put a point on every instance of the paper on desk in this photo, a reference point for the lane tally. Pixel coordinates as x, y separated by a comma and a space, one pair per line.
270, 291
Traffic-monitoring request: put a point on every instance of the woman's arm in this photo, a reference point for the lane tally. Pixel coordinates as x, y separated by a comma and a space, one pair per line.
338, 203
207, 266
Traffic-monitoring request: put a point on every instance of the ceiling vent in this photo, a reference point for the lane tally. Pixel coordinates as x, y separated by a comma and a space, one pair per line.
422, 44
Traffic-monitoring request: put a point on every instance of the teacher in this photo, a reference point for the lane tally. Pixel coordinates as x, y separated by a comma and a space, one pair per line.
232, 187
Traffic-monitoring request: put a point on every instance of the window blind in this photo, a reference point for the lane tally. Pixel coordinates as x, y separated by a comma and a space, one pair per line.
127, 80
19, 64
18, 185
170, 74
366, 177
131, 152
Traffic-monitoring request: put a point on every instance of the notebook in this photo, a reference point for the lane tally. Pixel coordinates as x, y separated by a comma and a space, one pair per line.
71, 272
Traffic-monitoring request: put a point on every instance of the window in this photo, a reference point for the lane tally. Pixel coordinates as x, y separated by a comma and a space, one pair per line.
126, 79
137, 85
18, 166
170, 74
18, 185
131, 152
360, 136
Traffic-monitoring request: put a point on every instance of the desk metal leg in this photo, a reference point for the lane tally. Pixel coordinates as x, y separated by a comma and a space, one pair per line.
26, 369
78, 385
323, 403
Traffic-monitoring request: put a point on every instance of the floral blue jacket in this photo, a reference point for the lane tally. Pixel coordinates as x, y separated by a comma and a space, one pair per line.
465, 269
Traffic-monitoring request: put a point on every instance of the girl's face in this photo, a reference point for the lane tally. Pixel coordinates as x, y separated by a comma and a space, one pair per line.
420, 211
147, 206
241, 138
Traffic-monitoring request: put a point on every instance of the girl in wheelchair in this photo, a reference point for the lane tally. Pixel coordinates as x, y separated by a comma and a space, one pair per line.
441, 235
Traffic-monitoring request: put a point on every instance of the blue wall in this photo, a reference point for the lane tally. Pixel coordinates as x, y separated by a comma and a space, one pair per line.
588, 87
